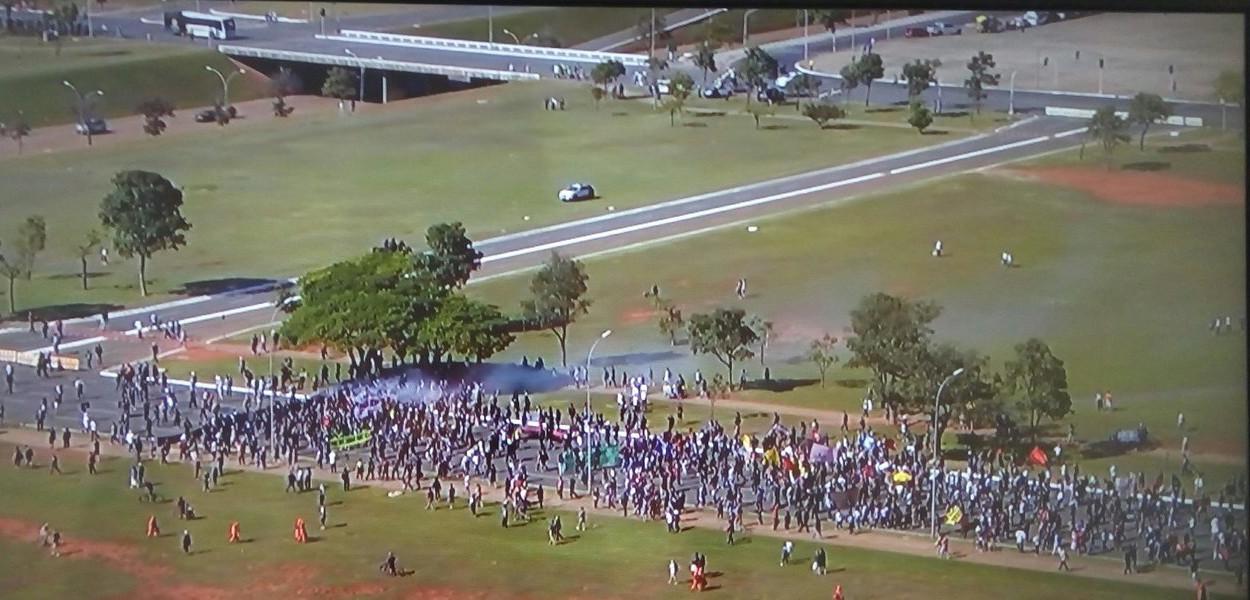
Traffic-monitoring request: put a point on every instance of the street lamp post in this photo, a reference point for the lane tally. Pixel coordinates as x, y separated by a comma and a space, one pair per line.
514, 37
225, 83
586, 421
82, 106
937, 449
361, 95
745, 16
805, 35
1011, 95
490, 23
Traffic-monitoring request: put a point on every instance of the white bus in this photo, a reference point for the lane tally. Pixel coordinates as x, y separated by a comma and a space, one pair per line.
196, 24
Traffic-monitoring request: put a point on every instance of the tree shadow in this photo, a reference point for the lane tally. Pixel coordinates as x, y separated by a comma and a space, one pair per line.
620, 114
694, 124
851, 383
1184, 149
935, 132
90, 275
1110, 448
884, 109
227, 285
844, 127
953, 113
780, 385
1148, 165
69, 311
774, 127
709, 113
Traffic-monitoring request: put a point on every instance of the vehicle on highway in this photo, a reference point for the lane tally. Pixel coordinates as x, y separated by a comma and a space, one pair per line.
916, 32
197, 24
209, 115
940, 28
91, 126
577, 191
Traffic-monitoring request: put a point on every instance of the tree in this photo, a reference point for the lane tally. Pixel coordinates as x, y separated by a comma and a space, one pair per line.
851, 77
451, 258
670, 321
360, 306
606, 73
1145, 109
558, 291
17, 129
472, 329
1109, 130
672, 105
920, 74
144, 213
655, 65
1039, 382
725, 334
154, 110
758, 69
890, 335
766, 331
648, 27
759, 110
979, 76
596, 93
717, 33
1230, 88
32, 238
805, 85
705, 58
821, 113
284, 83
919, 116
86, 249
821, 353
973, 390
870, 69
680, 85
341, 84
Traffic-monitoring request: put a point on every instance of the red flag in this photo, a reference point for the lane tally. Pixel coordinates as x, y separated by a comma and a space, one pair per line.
1037, 457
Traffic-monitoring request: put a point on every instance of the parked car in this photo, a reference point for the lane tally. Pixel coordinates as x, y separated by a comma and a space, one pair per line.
723, 91
916, 32
92, 126
209, 115
986, 24
576, 191
940, 28
771, 95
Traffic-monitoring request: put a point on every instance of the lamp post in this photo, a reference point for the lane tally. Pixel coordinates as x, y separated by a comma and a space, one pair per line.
490, 24
651, 33
514, 37
360, 96
1011, 95
937, 449
805, 35
273, 317
82, 106
225, 83
586, 421
745, 16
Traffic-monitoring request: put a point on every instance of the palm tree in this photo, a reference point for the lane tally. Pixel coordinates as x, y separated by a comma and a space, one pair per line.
1146, 109
1108, 129
705, 59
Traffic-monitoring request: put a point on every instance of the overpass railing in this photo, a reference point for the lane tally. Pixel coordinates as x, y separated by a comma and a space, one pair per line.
516, 50
460, 73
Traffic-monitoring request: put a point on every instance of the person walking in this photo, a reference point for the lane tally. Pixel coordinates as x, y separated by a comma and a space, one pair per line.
234, 536
154, 530
186, 541
1063, 559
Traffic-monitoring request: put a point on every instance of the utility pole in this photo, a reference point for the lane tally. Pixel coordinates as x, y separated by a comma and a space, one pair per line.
651, 32
1100, 69
805, 35
90, 27
1011, 96
851, 24
490, 23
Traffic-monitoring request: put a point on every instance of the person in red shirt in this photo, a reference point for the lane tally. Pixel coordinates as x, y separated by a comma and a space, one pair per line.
837, 592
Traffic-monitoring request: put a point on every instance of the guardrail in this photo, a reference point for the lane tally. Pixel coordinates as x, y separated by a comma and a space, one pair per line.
395, 39
460, 73
671, 26
1085, 113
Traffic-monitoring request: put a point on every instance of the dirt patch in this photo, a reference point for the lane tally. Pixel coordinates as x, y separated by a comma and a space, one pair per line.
1137, 188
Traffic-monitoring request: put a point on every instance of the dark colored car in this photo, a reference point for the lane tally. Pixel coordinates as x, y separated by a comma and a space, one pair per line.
771, 95
915, 32
209, 115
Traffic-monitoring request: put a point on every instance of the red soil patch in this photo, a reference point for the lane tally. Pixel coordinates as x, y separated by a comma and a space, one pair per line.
1140, 188
201, 353
635, 317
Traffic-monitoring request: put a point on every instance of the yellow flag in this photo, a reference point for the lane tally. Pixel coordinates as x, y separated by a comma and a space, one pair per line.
954, 516
901, 477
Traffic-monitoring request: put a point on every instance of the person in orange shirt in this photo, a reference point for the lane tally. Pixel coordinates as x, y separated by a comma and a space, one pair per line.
154, 530
234, 533
837, 592
301, 535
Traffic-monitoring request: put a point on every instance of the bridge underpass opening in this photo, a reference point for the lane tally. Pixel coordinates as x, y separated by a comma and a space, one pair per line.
379, 85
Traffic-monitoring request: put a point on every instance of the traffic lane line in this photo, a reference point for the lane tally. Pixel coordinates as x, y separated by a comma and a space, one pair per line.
677, 219
206, 317
967, 155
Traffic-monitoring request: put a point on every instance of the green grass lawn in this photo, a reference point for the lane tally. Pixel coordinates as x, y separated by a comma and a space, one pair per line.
569, 25
1122, 294
127, 72
278, 198
451, 554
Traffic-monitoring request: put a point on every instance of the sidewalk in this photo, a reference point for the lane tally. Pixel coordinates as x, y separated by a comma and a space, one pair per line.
916, 544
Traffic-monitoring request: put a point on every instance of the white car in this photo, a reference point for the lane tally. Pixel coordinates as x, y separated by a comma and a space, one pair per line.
941, 28
577, 191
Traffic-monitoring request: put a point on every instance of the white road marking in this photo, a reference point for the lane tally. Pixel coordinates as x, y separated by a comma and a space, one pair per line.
1071, 132
678, 218
73, 344
966, 155
216, 315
